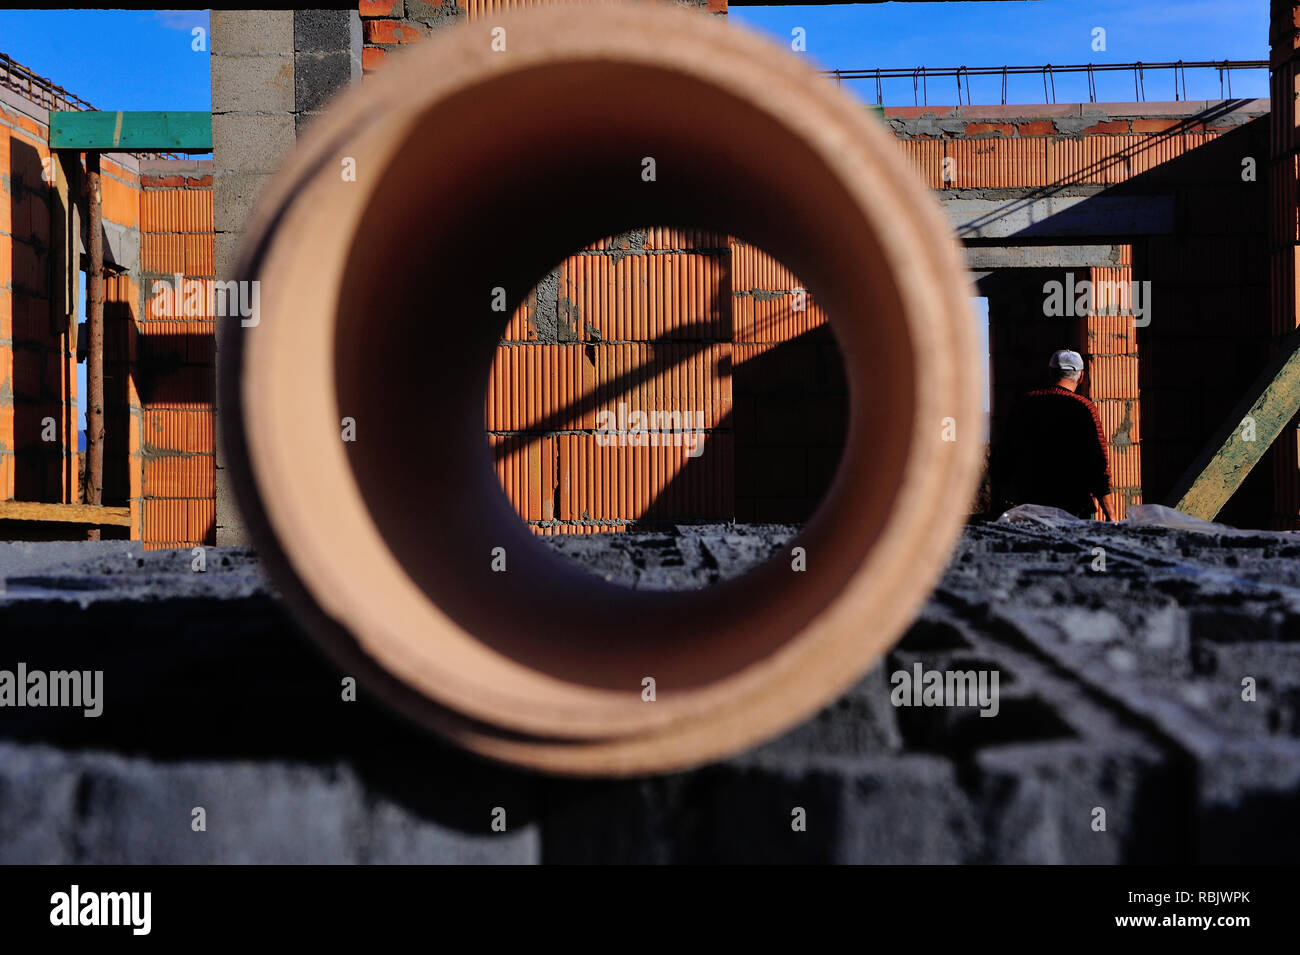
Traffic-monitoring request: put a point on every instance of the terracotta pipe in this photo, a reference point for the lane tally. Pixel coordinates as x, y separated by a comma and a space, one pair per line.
478, 169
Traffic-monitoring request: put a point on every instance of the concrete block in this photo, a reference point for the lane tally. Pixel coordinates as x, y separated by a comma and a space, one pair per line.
398, 836
1249, 799
36, 831
862, 723
252, 84
227, 246
251, 143
416, 818
319, 77
251, 31
1118, 689
140, 812
911, 809
121, 246
1039, 803
327, 31
235, 194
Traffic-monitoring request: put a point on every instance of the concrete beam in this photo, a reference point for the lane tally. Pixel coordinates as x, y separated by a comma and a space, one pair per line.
1060, 217
988, 257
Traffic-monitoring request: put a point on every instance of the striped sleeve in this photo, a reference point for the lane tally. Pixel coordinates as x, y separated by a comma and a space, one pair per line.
1102, 486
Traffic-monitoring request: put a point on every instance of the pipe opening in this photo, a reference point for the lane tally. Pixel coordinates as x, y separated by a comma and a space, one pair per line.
666, 377
540, 613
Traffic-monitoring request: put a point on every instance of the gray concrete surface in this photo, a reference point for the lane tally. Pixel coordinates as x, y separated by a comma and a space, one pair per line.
273, 72
1120, 689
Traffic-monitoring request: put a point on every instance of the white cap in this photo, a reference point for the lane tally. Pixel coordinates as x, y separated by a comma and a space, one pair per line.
1066, 360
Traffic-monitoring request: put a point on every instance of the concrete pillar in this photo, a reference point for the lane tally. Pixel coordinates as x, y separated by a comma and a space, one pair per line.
272, 72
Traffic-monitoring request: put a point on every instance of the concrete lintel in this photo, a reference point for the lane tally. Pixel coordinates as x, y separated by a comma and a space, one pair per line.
1061, 217
121, 245
984, 258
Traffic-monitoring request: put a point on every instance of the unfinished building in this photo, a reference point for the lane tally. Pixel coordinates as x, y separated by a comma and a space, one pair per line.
1166, 199
1120, 690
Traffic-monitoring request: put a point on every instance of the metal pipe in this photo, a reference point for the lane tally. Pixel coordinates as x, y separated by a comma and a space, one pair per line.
399, 551
95, 354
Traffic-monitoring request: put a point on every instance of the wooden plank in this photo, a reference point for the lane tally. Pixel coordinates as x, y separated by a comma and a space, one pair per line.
1266, 409
130, 131
64, 513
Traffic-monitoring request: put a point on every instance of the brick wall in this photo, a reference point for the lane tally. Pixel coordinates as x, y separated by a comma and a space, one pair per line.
786, 423
39, 430
34, 349
637, 324
1207, 295
662, 322
176, 352
388, 25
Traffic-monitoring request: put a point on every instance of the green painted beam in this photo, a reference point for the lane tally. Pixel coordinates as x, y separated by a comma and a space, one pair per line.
1262, 414
131, 131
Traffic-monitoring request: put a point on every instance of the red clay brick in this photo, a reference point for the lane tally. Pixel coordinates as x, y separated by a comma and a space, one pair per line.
201, 519
372, 58
391, 31
200, 343
167, 430
1040, 127
1107, 127
988, 129
164, 520
179, 476
377, 8
157, 182
1154, 125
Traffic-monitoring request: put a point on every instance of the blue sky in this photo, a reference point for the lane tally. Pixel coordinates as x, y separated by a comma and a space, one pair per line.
132, 59
115, 59
1029, 33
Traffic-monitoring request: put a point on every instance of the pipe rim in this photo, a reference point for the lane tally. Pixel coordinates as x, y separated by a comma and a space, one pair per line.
829, 656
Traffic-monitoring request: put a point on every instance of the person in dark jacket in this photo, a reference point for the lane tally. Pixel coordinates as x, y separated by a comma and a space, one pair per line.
1053, 447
